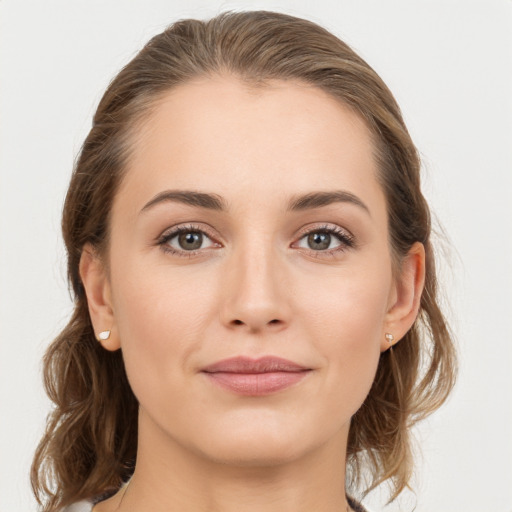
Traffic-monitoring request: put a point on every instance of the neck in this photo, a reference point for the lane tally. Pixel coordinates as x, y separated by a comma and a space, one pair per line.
169, 476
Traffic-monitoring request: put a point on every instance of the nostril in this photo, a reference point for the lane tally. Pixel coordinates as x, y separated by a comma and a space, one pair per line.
239, 322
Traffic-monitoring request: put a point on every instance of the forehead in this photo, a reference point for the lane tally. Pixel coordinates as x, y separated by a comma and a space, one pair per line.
219, 134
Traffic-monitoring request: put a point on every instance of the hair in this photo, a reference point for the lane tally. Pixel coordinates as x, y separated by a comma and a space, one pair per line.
89, 447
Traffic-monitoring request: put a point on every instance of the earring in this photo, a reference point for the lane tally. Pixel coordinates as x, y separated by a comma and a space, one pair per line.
103, 335
389, 337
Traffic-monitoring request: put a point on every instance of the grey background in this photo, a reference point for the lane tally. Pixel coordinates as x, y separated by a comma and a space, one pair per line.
449, 63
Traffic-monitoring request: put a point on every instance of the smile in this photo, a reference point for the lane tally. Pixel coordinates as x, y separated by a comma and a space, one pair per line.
250, 377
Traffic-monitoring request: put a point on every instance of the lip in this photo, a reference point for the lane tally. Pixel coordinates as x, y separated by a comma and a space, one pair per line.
255, 377
242, 364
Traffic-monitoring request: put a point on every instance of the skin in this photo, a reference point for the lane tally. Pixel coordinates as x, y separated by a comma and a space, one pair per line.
255, 287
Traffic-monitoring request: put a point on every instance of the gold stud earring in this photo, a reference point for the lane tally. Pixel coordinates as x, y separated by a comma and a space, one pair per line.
389, 337
103, 335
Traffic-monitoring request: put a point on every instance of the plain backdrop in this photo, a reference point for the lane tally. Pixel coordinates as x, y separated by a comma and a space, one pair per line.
449, 64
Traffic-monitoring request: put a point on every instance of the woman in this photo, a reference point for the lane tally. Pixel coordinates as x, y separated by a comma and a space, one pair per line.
256, 324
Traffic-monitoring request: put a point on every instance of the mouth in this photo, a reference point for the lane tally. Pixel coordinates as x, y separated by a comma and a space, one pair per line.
255, 377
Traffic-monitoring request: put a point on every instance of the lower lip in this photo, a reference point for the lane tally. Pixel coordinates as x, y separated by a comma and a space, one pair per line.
256, 384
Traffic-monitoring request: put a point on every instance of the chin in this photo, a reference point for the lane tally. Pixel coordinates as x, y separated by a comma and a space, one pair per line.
259, 445
253, 453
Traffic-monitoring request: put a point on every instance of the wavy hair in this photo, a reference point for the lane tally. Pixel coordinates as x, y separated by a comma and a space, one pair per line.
89, 447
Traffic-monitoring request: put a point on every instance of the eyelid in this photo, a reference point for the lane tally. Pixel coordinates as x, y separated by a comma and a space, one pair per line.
344, 236
169, 233
188, 226
331, 228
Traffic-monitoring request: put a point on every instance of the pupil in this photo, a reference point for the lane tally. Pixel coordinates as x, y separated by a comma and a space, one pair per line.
191, 240
318, 241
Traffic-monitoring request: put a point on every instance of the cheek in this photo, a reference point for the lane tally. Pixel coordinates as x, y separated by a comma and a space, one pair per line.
345, 319
347, 305
160, 317
165, 316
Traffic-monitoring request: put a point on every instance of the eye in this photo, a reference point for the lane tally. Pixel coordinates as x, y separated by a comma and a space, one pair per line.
185, 240
327, 239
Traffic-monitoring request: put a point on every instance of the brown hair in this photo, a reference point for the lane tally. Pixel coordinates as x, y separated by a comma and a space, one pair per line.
89, 447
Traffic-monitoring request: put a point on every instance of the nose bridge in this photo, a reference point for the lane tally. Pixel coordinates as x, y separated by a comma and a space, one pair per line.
254, 294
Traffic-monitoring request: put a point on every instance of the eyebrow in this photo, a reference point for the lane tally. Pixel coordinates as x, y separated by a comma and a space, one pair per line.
218, 203
318, 199
190, 197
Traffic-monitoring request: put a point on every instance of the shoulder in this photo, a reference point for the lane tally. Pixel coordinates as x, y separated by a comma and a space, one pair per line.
79, 506
86, 506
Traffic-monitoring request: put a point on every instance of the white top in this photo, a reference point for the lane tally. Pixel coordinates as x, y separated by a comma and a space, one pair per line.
79, 506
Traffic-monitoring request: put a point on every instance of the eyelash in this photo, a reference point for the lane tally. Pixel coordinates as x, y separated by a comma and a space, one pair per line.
164, 239
346, 240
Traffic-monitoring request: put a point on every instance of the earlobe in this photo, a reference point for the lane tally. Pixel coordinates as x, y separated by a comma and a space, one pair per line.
97, 288
406, 296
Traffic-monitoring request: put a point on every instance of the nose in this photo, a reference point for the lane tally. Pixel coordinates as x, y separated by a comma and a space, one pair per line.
255, 291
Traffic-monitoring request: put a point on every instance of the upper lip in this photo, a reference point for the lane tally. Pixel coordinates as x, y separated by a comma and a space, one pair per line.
243, 364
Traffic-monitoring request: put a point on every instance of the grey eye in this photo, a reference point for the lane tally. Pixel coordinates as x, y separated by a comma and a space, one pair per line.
319, 241
187, 240
190, 240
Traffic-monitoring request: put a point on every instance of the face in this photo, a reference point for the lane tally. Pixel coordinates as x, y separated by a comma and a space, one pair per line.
281, 251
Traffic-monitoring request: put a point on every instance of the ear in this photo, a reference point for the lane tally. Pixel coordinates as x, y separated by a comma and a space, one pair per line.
405, 297
99, 299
